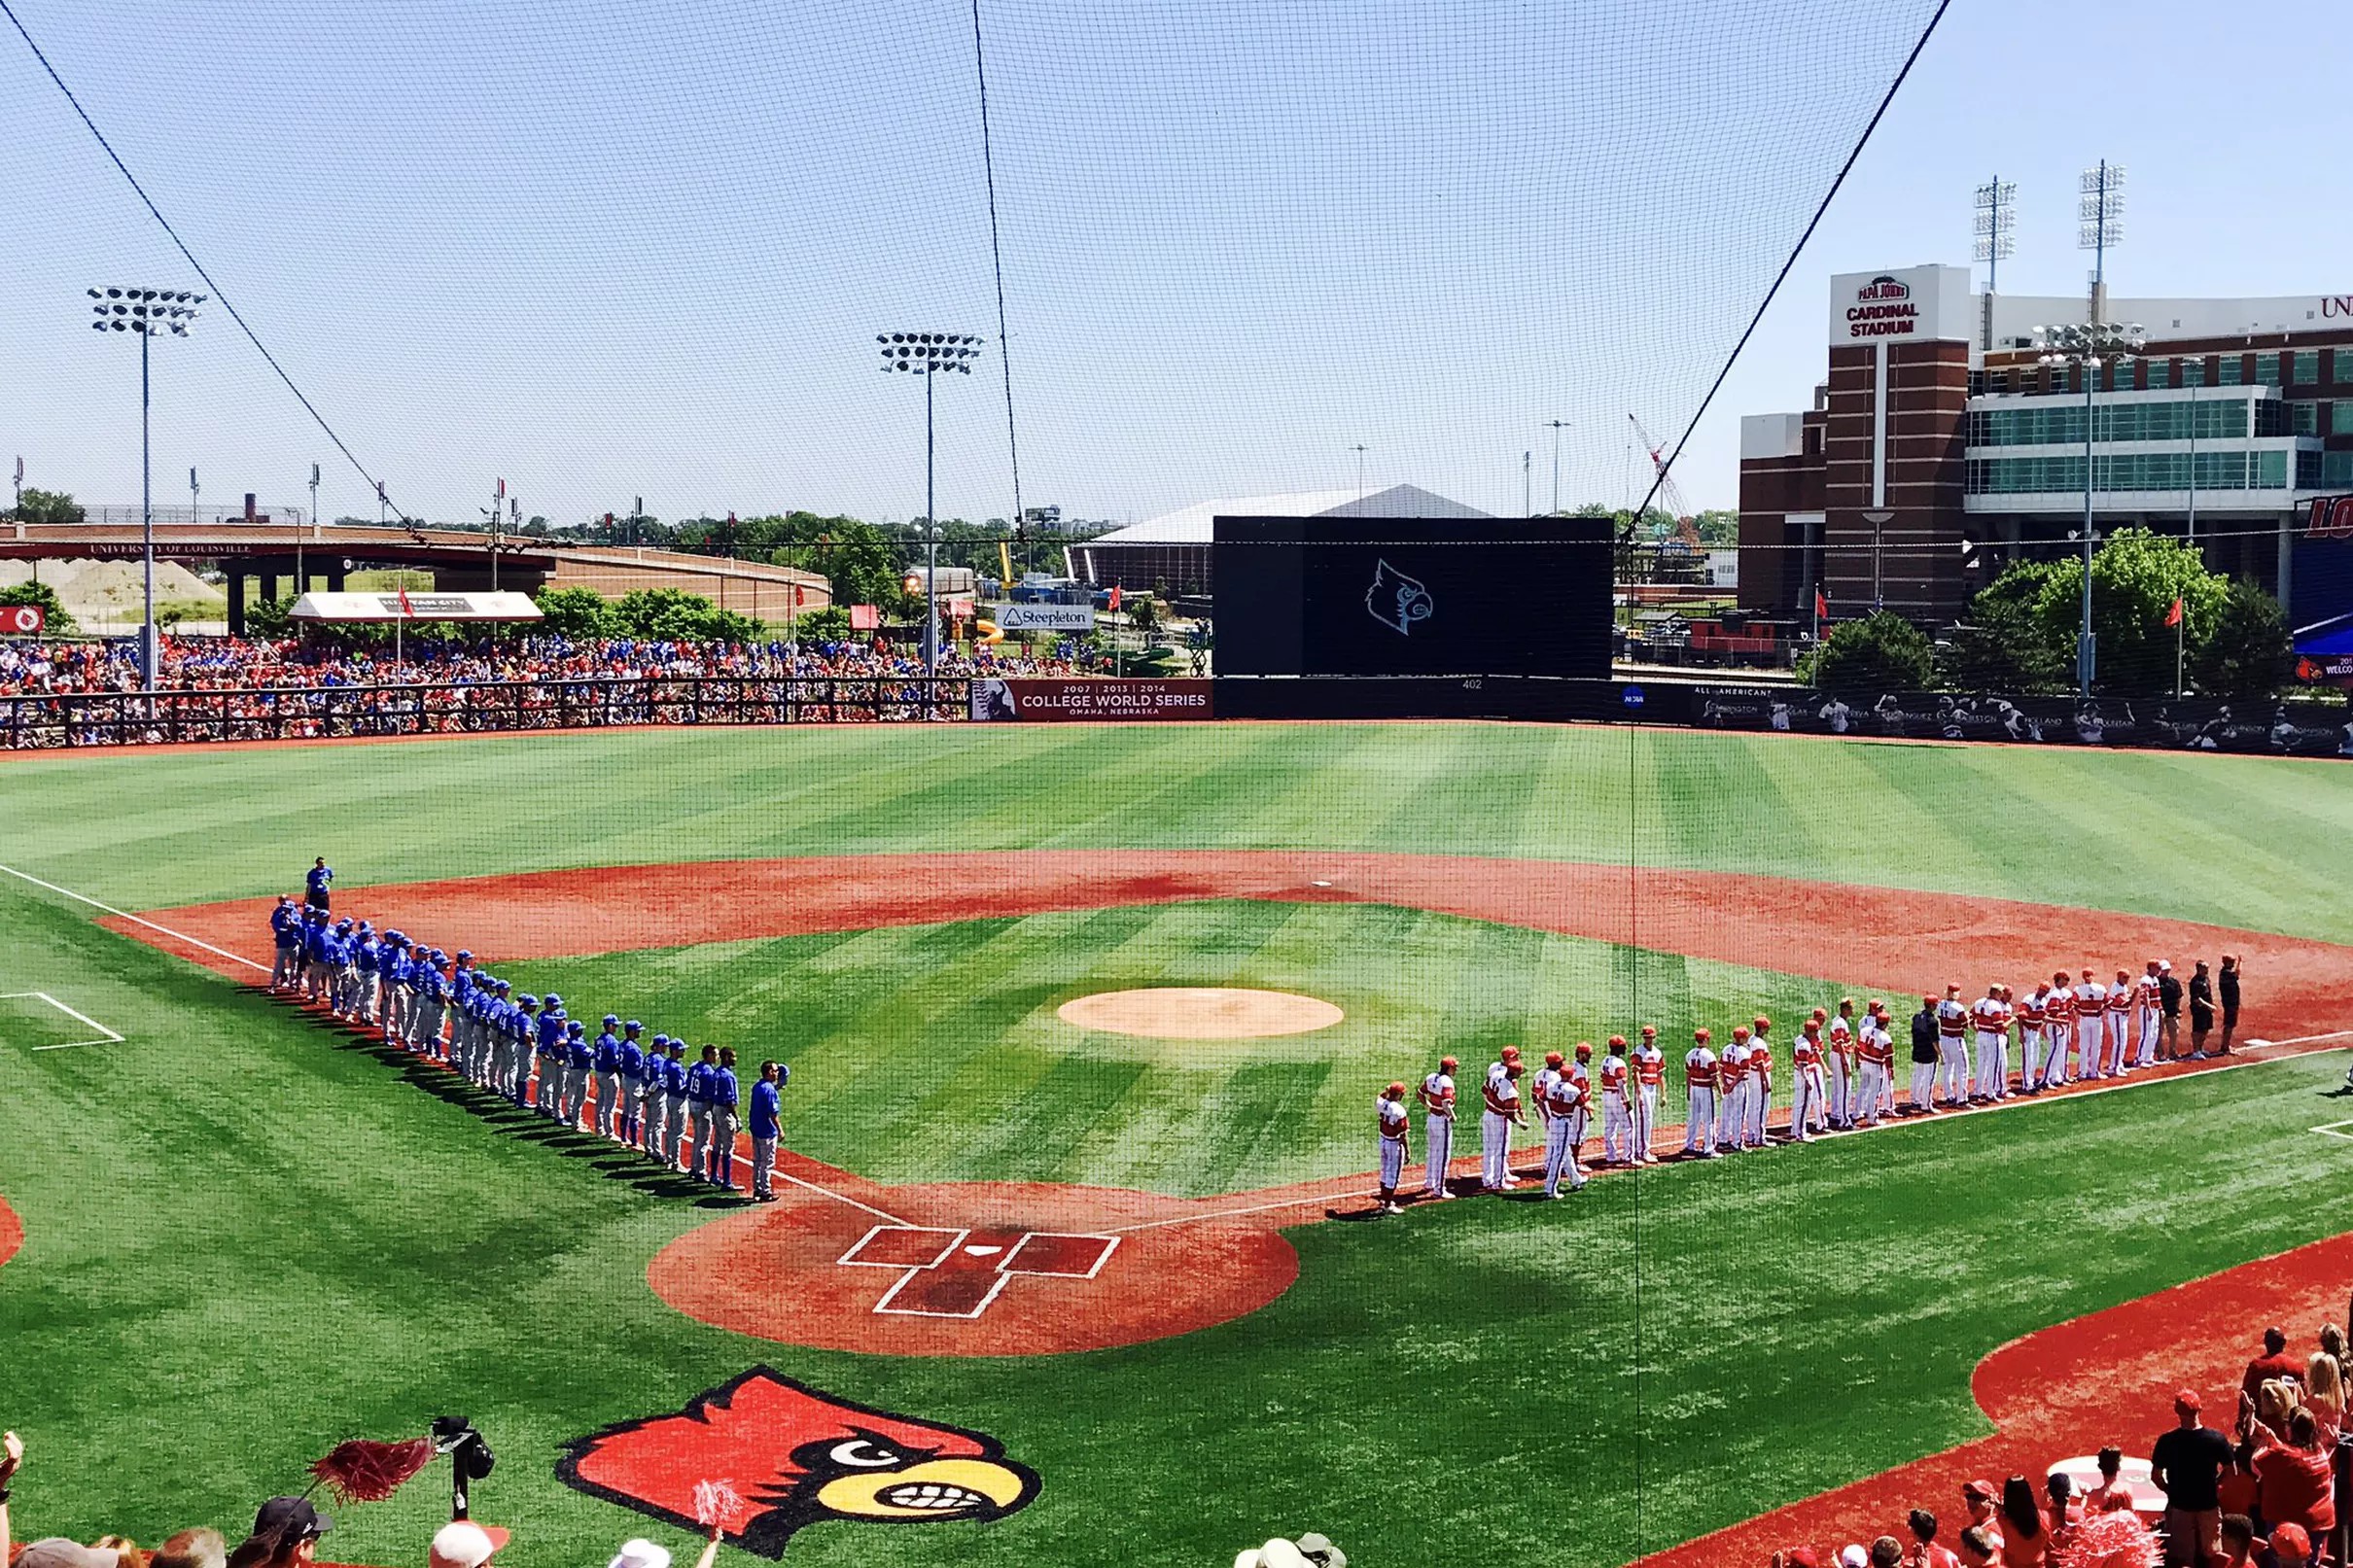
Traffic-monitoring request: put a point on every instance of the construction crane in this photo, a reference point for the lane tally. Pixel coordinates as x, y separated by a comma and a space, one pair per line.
1668, 494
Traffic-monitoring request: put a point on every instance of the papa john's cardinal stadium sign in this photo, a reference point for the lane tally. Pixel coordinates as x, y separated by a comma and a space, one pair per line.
1912, 303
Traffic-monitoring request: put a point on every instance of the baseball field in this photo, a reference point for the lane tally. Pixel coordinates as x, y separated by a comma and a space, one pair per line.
1124, 1286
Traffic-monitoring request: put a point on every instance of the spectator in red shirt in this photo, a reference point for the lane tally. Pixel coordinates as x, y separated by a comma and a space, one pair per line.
2112, 1464
1925, 1552
2025, 1539
2236, 1491
1979, 1497
2238, 1541
1978, 1543
2274, 1362
2292, 1546
2295, 1479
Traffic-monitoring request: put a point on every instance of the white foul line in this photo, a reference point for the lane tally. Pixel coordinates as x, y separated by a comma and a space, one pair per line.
106, 1035
1229, 1213
126, 915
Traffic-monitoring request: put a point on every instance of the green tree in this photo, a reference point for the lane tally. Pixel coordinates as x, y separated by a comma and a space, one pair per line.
2000, 643
271, 617
580, 613
679, 616
1880, 653
830, 624
48, 507
2248, 654
2135, 577
56, 620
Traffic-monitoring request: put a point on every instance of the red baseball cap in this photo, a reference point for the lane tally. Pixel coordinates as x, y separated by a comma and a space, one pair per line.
1617, 1040
1650, 1029
1448, 1061
1700, 1035
1552, 1058
1803, 1557
2186, 1403
2294, 1537
1977, 1491
1510, 1053
1584, 1048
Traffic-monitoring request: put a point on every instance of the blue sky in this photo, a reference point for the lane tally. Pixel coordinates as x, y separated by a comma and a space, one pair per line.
642, 246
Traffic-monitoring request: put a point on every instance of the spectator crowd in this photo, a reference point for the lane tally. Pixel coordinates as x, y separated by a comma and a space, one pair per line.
2270, 1491
85, 693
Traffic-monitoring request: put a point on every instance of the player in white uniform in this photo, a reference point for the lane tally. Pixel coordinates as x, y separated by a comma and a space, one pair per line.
2091, 1026
1877, 1048
1438, 1124
1650, 1072
1617, 1104
1953, 1017
2146, 999
1990, 1016
1732, 1090
2120, 1026
1536, 1096
1759, 1083
1389, 1113
1838, 1037
1700, 1086
1564, 1131
1806, 1108
1501, 1114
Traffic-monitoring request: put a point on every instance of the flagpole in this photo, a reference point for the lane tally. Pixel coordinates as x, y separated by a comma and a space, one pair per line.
2180, 623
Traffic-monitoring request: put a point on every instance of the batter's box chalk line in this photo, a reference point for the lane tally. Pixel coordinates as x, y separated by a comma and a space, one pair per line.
105, 1035
2335, 1129
944, 1274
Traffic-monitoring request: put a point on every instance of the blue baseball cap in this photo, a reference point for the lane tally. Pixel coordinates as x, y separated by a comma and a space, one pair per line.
465, 952
527, 1000
633, 1025
553, 998
661, 1039
613, 1018
438, 953
575, 1026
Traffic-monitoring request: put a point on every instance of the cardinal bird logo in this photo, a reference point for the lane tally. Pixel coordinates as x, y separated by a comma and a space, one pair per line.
1397, 600
797, 1456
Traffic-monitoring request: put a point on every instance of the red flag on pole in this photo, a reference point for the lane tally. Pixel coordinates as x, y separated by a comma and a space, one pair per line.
1115, 604
2173, 616
1821, 604
404, 609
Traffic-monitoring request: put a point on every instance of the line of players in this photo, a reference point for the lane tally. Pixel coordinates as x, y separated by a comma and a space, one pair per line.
643, 1095
1843, 1070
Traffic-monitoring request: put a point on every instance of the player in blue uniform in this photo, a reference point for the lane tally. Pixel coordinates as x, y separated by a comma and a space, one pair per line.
527, 1051
286, 931
633, 1084
675, 1074
392, 977
658, 1101
767, 1125
698, 1112
316, 881
316, 934
366, 954
725, 1097
604, 1062
461, 1016
432, 1001
580, 1064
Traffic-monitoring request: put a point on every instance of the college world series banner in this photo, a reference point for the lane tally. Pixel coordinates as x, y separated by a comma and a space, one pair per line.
1093, 701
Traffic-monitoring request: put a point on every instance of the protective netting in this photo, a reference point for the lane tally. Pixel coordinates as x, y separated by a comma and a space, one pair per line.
641, 250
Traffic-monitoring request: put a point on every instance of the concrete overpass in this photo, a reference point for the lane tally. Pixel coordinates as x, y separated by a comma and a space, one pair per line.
267, 554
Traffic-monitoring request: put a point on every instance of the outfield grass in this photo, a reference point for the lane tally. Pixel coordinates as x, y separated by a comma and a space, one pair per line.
248, 1238
934, 1052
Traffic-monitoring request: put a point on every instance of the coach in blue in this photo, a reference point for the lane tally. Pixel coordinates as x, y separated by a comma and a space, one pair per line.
698, 1112
550, 1050
316, 881
526, 1026
767, 1123
580, 1062
367, 956
392, 974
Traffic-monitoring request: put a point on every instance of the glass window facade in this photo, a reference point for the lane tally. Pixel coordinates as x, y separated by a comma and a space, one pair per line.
2303, 366
2230, 370
2194, 372
2303, 418
2267, 369
2341, 417
2336, 471
2307, 471
2128, 470
2061, 423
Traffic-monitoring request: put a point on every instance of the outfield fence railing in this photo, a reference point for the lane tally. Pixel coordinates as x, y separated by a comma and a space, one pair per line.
84, 719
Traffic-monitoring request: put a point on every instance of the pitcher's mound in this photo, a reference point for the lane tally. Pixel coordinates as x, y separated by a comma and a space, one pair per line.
1200, 1013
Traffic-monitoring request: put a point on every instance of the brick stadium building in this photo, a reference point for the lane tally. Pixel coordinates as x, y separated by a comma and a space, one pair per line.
1937, 427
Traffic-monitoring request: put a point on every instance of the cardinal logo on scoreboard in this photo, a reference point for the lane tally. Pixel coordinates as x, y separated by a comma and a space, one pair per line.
1397, 600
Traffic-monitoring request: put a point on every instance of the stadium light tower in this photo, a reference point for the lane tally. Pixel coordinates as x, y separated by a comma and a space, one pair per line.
929, 355
149, 313
2088, 347
1995, 222
2099, 212
1556, 426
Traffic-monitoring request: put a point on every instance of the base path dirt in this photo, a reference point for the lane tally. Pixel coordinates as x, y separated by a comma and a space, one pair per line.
1904, 941
2107, 1378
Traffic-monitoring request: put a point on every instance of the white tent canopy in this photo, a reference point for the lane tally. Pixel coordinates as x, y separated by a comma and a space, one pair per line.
341, 609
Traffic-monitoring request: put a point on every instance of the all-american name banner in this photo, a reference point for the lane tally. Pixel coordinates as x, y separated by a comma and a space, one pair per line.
2191, 724
1096, 701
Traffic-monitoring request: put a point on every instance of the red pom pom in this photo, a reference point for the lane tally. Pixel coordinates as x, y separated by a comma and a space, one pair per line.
364, 1472
2110, 1541
716, 1502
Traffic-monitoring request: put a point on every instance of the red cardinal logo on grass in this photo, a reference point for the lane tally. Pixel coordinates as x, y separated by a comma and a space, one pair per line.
796, 1456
